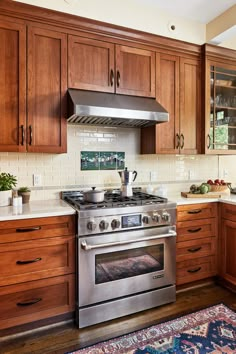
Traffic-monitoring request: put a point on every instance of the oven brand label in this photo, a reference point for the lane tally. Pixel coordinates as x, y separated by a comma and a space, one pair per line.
158, 276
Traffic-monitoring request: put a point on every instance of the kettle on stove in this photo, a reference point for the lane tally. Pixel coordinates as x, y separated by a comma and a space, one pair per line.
127, 177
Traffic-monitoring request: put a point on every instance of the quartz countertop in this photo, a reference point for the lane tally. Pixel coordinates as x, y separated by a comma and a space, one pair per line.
36, 209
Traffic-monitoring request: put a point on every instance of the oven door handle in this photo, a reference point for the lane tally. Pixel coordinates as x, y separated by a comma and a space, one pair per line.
87, 247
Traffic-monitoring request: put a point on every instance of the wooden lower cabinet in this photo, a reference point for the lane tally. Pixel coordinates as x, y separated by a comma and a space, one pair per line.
227, 244
195, 269
196, 246
31, 301
37, 262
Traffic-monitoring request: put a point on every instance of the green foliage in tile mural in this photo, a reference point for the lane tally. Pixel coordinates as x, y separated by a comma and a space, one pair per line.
89, 160
102, 160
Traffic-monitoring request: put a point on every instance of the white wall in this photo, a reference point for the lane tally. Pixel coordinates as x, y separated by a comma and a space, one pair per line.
130, 13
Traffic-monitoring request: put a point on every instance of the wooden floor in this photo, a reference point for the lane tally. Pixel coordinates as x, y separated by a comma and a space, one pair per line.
67, 337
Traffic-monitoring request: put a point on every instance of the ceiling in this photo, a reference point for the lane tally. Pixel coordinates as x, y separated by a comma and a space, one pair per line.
202, 11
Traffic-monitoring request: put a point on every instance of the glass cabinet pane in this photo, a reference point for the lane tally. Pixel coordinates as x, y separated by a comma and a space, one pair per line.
222, 109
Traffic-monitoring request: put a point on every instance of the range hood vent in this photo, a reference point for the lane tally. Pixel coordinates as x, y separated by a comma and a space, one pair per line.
109, 109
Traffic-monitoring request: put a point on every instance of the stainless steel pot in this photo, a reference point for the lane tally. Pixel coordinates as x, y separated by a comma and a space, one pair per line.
94, 195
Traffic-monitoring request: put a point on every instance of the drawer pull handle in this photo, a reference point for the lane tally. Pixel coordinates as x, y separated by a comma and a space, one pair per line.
194, 270
195, 230
30, 302
196, 211
28, 229
194, 249
29, 261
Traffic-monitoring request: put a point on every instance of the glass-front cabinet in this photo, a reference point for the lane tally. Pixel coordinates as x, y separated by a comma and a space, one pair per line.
221, 109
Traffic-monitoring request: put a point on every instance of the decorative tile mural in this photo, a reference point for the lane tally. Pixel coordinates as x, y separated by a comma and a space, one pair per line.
102, 160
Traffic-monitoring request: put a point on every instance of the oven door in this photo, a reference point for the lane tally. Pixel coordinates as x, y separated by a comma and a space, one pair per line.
120, 264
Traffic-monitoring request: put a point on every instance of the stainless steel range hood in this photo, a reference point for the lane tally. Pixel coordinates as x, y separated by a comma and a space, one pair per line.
109, 109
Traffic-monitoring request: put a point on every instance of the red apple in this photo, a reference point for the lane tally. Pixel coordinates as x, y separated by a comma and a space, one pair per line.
210, 182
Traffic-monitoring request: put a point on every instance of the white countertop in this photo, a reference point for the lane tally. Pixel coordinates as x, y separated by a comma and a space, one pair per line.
36, 209
57, 207
225, 198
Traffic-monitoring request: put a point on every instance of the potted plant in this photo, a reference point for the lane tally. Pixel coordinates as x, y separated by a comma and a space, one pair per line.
25, 193
7, 182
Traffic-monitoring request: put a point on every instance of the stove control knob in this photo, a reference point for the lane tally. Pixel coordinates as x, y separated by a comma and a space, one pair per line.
166, 216
91, 225
146, 219
156, 217
115, 224
103, 225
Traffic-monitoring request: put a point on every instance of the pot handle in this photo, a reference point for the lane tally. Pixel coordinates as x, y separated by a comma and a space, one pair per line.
135, 175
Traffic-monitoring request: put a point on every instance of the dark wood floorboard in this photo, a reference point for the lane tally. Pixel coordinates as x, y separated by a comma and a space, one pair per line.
60, 339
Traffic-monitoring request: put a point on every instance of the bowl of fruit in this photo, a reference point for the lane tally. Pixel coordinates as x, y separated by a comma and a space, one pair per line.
218, 185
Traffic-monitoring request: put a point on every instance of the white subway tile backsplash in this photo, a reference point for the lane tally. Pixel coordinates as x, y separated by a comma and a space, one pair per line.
63, 171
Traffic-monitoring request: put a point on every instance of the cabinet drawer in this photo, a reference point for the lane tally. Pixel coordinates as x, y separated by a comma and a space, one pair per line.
196, 248
36, 259
195, 269
228, 211
31, 229
190, 230
36, 300
196, 211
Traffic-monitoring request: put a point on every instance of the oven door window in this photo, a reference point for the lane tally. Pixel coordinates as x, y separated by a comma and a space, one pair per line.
129, 263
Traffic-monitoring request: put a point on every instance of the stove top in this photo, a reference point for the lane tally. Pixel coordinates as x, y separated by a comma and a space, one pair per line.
112, 199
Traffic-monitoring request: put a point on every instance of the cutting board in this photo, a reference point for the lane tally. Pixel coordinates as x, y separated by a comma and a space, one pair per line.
206, 195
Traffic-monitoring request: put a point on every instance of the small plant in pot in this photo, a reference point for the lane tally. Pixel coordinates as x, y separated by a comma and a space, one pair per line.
7, 182
24, 192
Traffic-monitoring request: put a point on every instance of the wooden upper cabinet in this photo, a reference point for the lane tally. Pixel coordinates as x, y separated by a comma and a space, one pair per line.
47, 85
190, 106
90, 64
178, 91
101, 66
135, 71
13, 86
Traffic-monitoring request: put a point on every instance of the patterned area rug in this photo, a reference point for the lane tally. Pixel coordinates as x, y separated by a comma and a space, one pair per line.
212, 330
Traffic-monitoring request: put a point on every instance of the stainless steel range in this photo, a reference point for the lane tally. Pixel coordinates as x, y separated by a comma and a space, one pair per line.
126, 254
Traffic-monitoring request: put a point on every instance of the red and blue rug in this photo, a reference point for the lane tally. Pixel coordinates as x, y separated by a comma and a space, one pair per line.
209, 331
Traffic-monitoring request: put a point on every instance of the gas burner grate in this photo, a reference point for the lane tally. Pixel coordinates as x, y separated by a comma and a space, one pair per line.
112, 199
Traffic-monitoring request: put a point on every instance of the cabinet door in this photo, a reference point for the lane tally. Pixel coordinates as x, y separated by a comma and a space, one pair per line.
13, 86
47, 85
90, 64
135, 71
190, 106
167, 79
227, 257
220, 108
